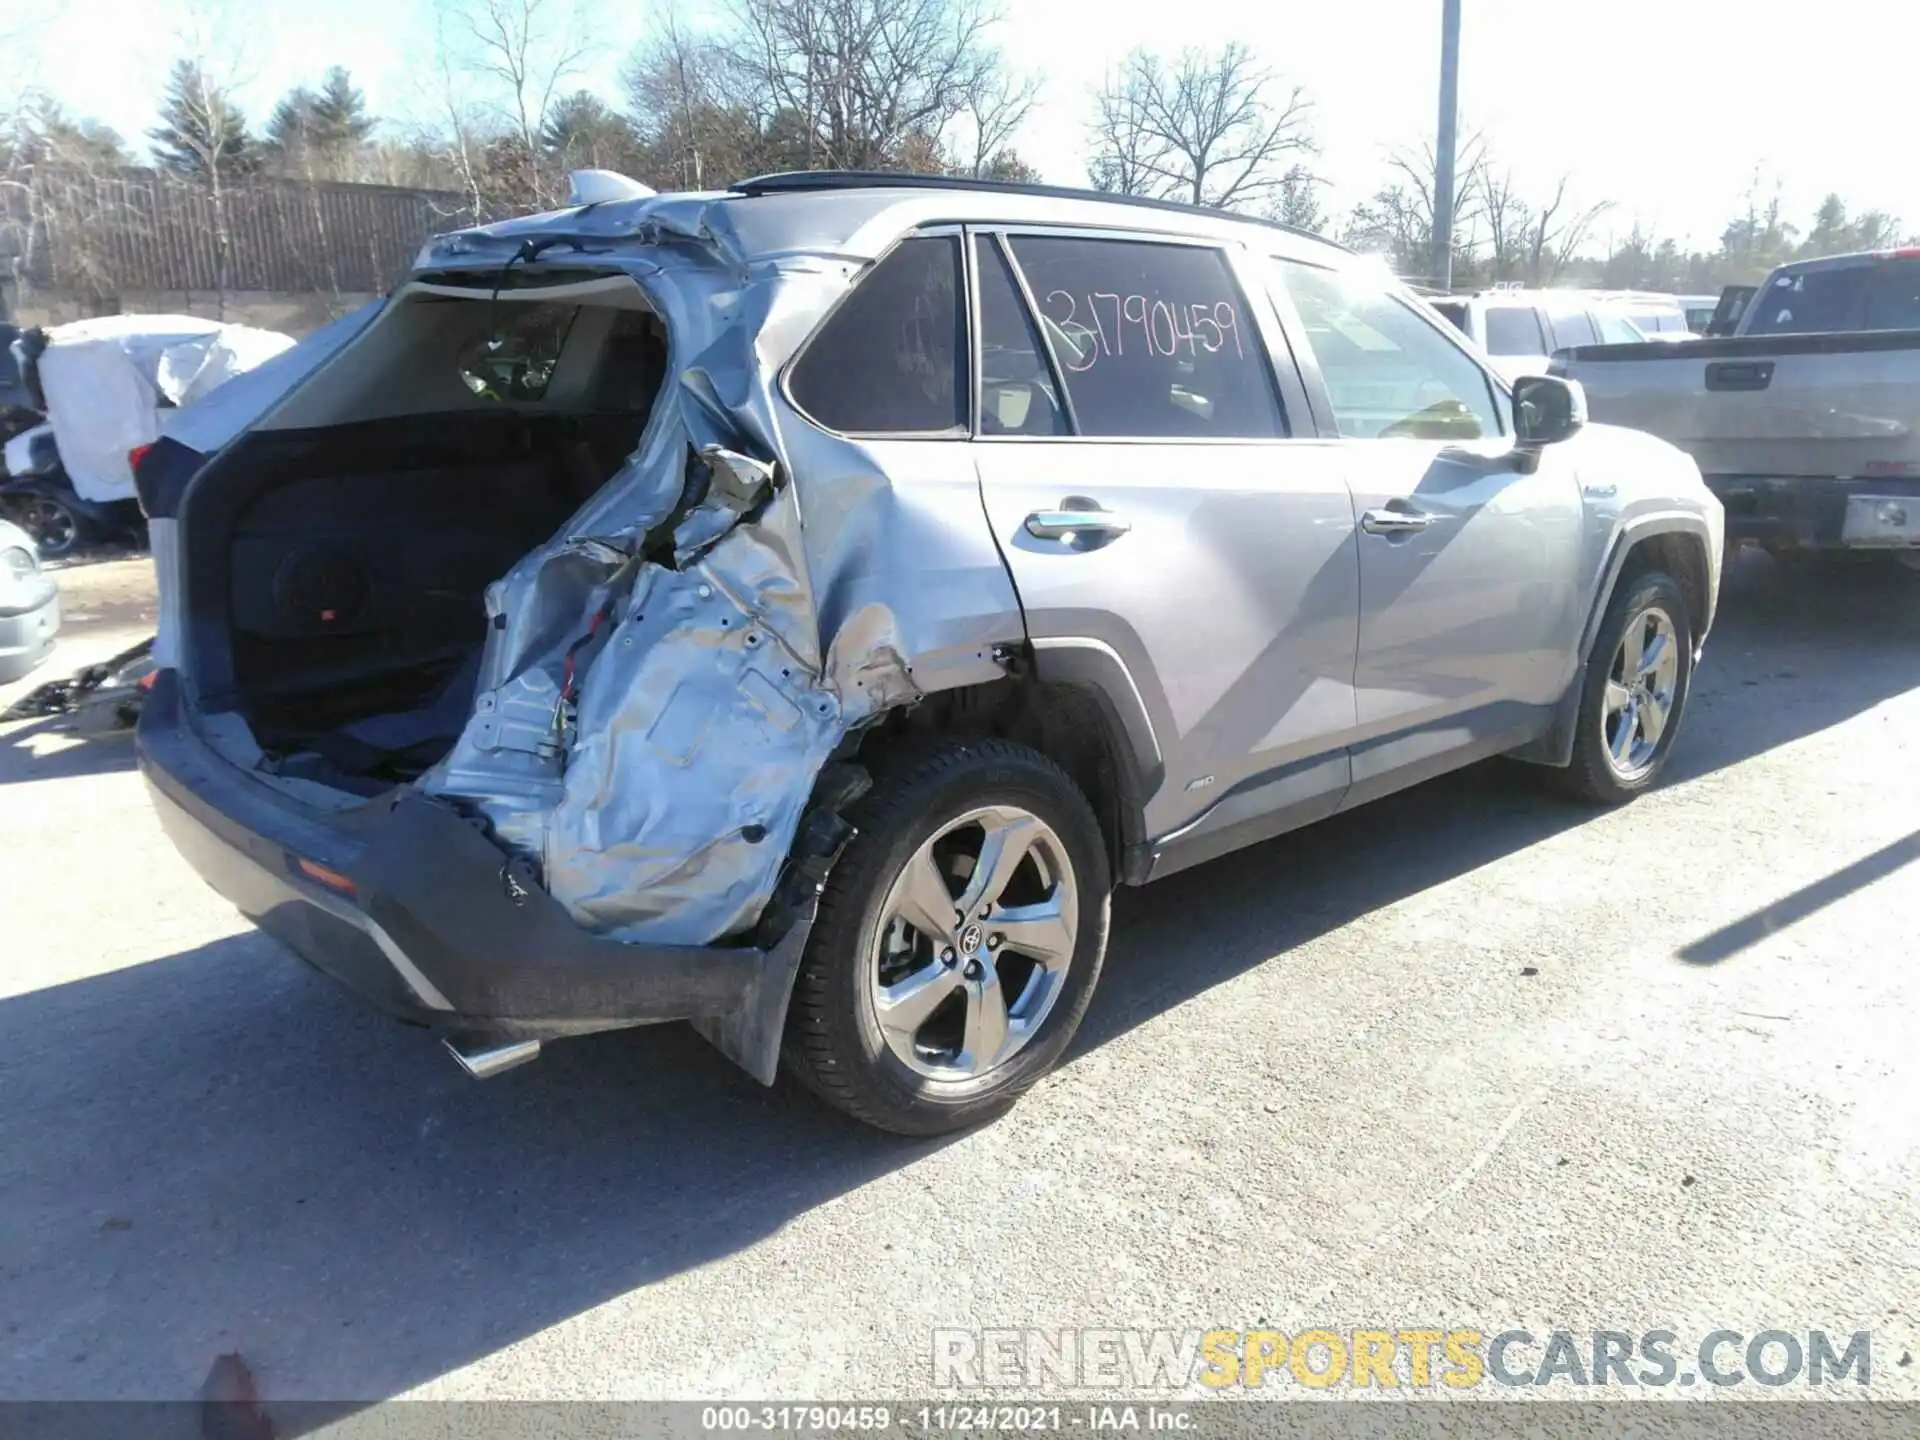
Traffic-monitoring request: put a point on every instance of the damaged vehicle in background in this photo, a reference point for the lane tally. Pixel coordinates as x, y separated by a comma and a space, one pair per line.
104, 387
793, 609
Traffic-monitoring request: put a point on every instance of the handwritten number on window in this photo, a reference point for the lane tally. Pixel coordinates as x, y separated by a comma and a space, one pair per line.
1166, 329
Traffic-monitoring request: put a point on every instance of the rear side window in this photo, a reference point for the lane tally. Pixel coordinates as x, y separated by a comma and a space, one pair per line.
1807, 301
1017, 390
1893, 299
1153, 341
892, 359
1573, 327
1514, 330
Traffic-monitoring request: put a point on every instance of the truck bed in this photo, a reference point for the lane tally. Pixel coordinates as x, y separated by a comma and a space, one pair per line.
1814, 405
1797, 434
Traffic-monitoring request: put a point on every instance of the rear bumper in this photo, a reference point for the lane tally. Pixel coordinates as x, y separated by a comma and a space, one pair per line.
27, 636
1798, 512
421, 920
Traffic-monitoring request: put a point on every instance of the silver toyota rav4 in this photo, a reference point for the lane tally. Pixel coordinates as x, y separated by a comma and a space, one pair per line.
793, 609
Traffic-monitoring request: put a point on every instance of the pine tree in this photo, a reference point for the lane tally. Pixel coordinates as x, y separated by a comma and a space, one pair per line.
584, 132
341, 123
201, 131
321, 130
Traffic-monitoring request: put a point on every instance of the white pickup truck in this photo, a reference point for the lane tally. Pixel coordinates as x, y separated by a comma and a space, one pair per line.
1804, 421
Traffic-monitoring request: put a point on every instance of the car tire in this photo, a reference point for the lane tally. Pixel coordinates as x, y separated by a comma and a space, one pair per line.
57, 528
976, 1008
1616, 755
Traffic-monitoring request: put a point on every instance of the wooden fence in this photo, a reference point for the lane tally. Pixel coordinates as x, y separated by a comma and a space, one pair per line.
143, 230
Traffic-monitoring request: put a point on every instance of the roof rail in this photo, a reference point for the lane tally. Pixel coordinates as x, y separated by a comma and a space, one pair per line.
792, 181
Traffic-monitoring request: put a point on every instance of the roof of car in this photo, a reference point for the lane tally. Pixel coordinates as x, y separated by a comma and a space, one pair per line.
858, 215
1851, 258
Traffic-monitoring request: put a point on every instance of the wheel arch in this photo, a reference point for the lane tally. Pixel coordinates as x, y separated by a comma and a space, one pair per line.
1678, 543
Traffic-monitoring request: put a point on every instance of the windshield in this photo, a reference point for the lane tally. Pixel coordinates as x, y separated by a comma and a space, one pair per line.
1454, 313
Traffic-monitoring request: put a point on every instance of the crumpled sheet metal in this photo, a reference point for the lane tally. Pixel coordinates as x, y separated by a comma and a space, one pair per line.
714, 689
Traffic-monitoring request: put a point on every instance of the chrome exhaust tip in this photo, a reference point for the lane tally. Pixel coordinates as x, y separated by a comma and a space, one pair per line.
484, 1059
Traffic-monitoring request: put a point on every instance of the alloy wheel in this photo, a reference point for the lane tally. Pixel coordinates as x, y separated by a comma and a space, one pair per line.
1640, 691
974, 945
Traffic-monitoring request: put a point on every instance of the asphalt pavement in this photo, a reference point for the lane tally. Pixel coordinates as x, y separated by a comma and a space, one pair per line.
1467, 1057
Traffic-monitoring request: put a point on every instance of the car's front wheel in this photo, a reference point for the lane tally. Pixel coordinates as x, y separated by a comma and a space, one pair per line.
957, 942
1634, 692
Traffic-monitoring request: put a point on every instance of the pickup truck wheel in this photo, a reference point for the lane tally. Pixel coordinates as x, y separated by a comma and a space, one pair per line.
1634, 692
957, 941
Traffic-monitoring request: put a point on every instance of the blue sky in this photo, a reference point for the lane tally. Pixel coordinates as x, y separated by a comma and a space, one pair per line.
1667, 107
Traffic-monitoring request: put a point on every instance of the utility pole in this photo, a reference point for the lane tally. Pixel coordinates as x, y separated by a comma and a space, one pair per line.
1448, 143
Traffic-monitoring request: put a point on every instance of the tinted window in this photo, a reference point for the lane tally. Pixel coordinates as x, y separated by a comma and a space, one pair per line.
1809, 300
1573, 327
1514, 330
1152, 340
1893, 299
893, 357
1389, 374
1017, 395
1454, 313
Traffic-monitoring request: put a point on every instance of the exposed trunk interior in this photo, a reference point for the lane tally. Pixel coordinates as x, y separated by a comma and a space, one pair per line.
351, 560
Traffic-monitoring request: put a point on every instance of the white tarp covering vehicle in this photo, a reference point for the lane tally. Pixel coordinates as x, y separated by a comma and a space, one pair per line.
107, 383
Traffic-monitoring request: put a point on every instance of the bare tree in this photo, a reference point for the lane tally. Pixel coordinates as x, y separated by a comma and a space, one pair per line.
1397, 219
997, 105
1123, 149
59, 184
1202, 129
698, 122
863, 80
1555, 232
521, 53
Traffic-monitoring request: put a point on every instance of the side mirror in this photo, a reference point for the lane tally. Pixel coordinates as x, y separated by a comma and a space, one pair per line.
1547, 409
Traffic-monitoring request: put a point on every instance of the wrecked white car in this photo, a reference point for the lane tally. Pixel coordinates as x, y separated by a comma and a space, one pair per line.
792, 609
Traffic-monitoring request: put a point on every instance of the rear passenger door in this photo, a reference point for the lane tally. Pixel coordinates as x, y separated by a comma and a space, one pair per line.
1161, 528
1470, 588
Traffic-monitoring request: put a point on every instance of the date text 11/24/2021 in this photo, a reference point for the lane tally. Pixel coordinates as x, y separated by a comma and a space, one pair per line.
878, 1419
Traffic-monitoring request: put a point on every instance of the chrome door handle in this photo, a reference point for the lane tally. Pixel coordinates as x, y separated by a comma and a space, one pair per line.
1059, 524
1394, 522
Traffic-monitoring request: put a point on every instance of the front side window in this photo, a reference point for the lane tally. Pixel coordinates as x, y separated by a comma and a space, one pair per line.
892, 359
1389, 374
1514, 330
1152, 340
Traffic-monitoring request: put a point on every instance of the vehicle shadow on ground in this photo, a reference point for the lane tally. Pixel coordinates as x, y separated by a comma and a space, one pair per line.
217, 1151
53, 749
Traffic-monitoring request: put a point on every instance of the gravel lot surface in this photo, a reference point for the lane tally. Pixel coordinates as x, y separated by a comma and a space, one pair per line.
1468, 1057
